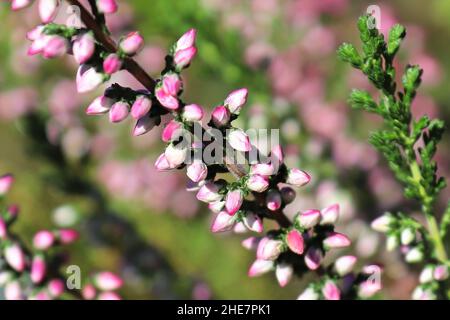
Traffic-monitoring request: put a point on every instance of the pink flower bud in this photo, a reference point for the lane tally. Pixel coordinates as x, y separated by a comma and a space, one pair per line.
209, 192
336, 240
222, 222
175, 155
88, 292
112, 64
162, 164
107, 6
11, 213
220, 116
258, 183
345, 264
236, 100
55, 47
184, 57
3, 229
193, 113
172, 131
276, 155
330, 215
56, 288
83, 48
67, 236
263, 169
171, 84
197, 171
6, 183
13, 291
141, 107
88, 78
309, 294
251, 243
233, 201
109, 296
297, 177
313, 258
165, 99
20, 4
15, 257
288, 195
187, 40
382, 224
259, 267
240, 228
40, 296
269, 249
132, 43
309, 218
144, 125
48, 10
368, 289
43, 240
38, 269
239, 140
217, 206
284, 272
108, 281
295, 241
119, 111
273, 200
253, 222
441, 273
330, 291
99, 106
35, 33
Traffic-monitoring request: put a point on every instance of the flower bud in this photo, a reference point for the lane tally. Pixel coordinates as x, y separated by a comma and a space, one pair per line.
251, 243
197, 171
259, 267
309, 218
233, 201
55, 47
88, 292
38, 269
99, 106
240, 228
35, 33
277, 155
330, 291
288, 195
345, 264
107, 6
132, 43
193, 113
48, 9
295, 241
263, 169
38, 45
329, 215
184, 57
423, 294
269, 249
109, 296
209, 192
67, 236
172, 131
144, 125
368, 288
407, 236
336, 240
273, 200
257, 183
222, 222
176, 155
13, 291
20, 4
141, 107
171, 84
107, 281
186, 41
414, 255
14, 256
313, 258
3, 229
427, 274
88, 78
112, 64
55, 288
309, 294
253, 222
162, 164
217, 206
166, 100
236, 100
83, 48
43, 240
297, 177
239, 140
220, 116
392, 242
119, 112
284, 272
382, 224
6, 182
440, 273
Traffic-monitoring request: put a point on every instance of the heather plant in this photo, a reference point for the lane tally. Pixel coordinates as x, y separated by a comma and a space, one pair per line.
409, 146
242, 194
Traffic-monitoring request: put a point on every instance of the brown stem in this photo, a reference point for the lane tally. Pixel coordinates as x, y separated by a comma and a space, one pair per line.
149, 83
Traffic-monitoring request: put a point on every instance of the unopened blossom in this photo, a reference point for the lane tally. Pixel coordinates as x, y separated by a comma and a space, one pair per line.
236, 100
251, 243
193, 113
107, 6
233, 201
162, 164
67, 236
220, 116
187, 40
330, 215
171, 84
83, 47
88, 292
414, 255
257, 183
55, 46
107, 281
144, 125
273, 200
253, 222
197, 171
209, 192
263, 169
55, 287
297, 177
283, 273
368, 289
330, 291
441, 273
43, 240
176, 154
222, 222
295, 241
308, 294
184, 57
345, 264
392, 242
336, 240
88, 78
112, 63
313, 258
140, 107
6, 182
15, 256
172, 131
277, 155
427, 274
109, 296
38, 269
132, 43
217, 206
260, 267
309, 218
20, 4
288, 194
382, 224
165, 99
119, 111
99, 106
13, 291
269, 249
3, 229
407, 236
48, 9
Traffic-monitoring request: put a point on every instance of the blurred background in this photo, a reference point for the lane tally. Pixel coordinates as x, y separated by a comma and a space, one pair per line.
74, 170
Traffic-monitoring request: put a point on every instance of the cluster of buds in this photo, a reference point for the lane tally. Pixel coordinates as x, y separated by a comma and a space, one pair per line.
35, 273
431, 279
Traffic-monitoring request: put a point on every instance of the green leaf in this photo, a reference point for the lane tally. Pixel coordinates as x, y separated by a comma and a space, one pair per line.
360, 99
396, 35
348, 53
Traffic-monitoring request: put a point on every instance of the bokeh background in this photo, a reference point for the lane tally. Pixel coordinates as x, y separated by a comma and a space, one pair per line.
73, 170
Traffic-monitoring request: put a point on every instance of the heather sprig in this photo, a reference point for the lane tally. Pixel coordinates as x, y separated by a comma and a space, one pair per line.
409, 146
